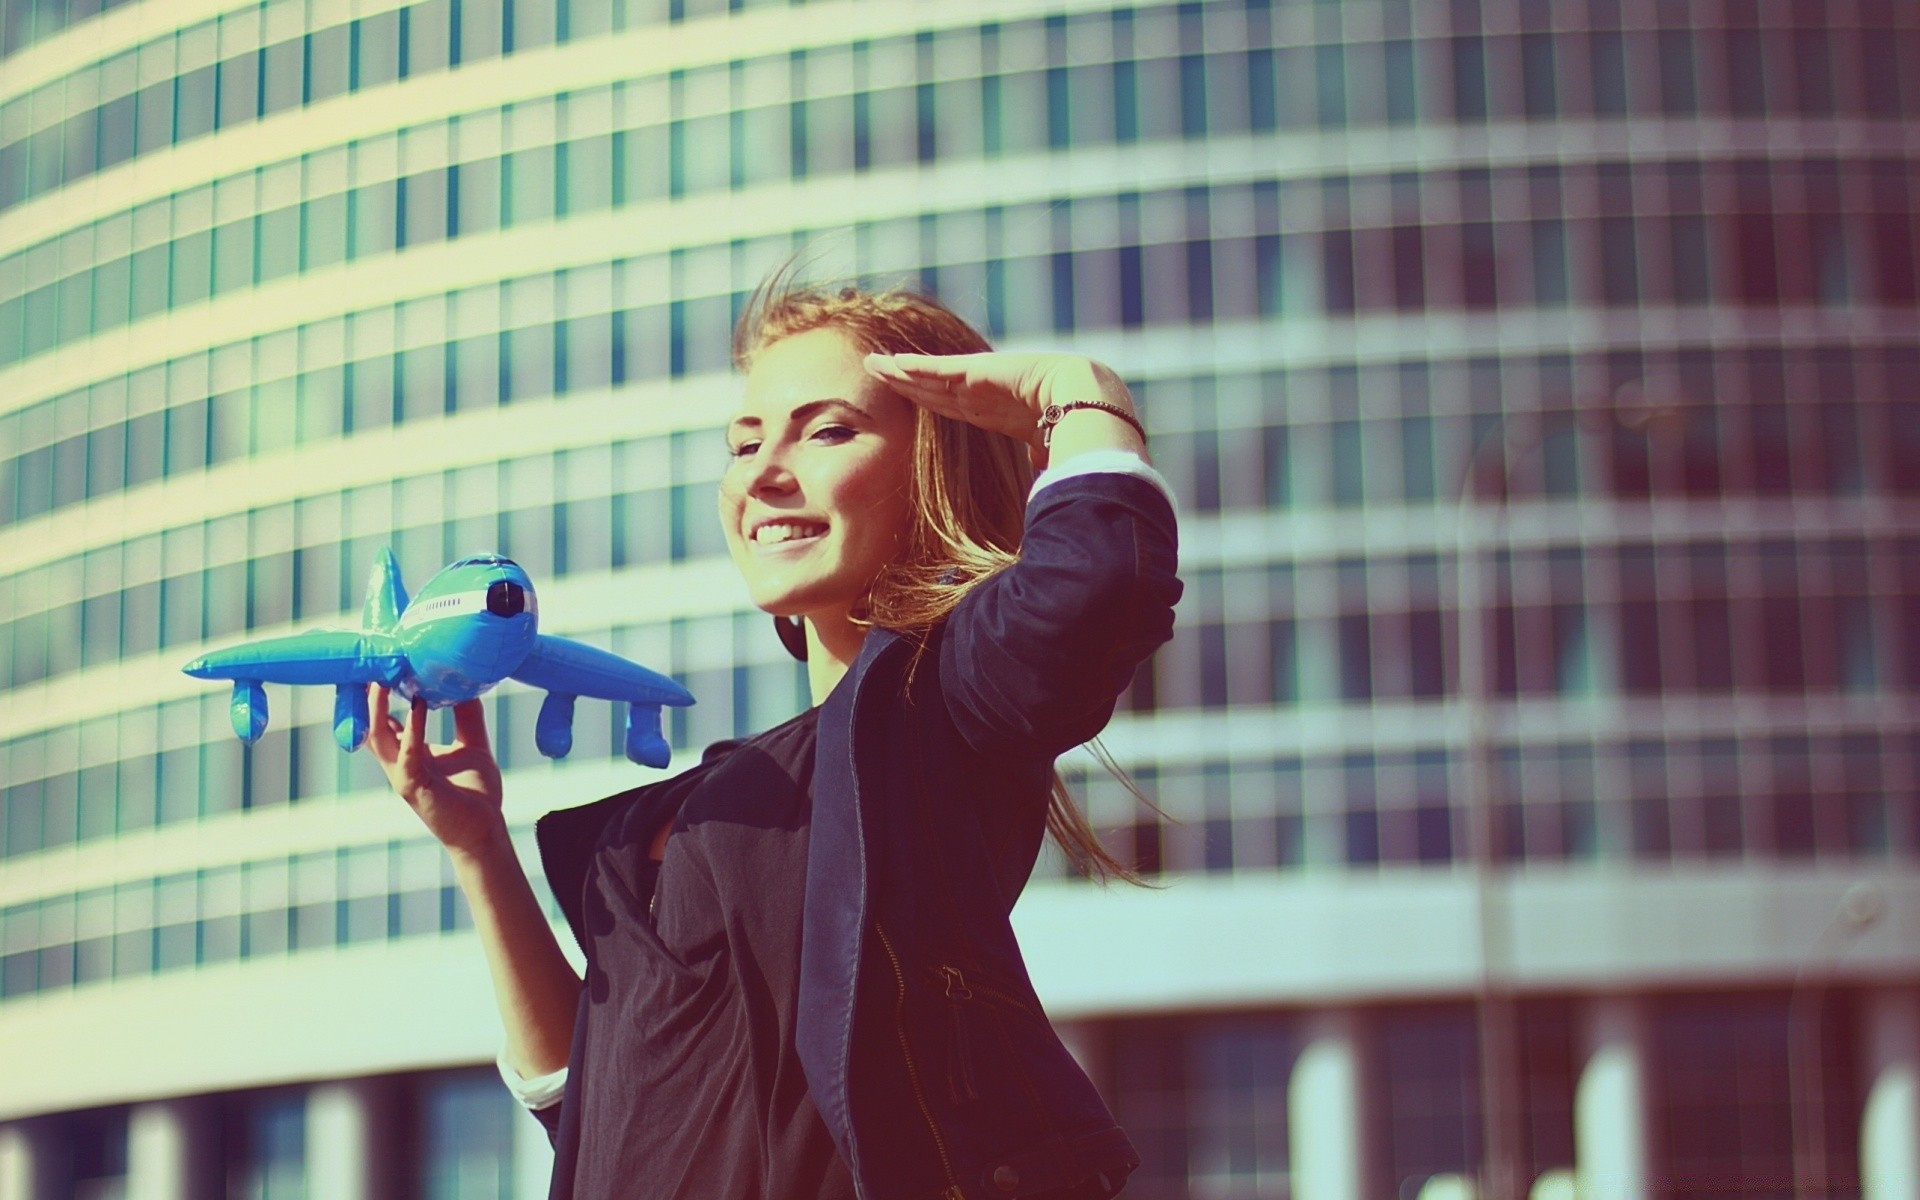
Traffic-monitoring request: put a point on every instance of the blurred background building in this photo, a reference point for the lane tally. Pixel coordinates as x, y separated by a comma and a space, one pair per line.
1540, 379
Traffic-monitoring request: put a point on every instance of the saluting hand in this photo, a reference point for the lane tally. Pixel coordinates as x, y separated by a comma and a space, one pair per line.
1007, 393
454, 789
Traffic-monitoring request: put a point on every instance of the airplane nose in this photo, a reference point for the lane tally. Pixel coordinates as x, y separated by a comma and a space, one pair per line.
505, 598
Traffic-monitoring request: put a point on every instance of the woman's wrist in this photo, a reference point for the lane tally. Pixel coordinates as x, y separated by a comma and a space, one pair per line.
484, 854
1091, 409
1084, 429
1075, 380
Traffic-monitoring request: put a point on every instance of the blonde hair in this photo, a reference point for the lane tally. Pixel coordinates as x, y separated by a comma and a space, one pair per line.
969, 488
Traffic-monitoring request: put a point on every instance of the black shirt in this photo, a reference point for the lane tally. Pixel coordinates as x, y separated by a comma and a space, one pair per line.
690, 1084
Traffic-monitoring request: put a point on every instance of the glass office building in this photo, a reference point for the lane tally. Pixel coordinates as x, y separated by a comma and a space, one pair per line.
1540, 743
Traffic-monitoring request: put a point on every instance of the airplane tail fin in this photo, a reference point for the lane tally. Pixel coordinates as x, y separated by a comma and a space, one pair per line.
386, 595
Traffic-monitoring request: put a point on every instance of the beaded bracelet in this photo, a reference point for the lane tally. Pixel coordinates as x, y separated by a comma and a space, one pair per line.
1050, 416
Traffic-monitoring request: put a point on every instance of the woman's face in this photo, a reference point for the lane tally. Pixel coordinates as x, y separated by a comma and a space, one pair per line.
815, 499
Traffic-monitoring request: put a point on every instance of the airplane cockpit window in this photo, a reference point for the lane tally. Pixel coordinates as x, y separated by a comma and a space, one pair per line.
486, 560
505, 598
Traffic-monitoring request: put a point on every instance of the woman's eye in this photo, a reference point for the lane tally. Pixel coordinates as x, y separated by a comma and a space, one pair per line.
832, 433
743, 450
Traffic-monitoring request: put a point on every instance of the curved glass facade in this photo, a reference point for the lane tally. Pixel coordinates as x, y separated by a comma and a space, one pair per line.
1540, 382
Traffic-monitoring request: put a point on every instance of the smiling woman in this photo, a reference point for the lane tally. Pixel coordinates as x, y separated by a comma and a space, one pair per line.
802, 981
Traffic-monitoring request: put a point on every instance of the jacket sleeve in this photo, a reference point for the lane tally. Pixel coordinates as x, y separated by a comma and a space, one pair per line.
1032, 661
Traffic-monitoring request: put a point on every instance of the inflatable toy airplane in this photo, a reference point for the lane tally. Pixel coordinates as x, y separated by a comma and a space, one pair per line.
472, 625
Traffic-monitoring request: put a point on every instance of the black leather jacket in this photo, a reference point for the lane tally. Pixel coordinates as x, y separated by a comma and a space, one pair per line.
929, 807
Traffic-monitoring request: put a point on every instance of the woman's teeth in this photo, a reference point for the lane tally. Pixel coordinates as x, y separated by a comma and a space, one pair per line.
772, 534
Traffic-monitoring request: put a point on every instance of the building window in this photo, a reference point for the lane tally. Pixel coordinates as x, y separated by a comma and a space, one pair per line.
376, 49
466, 1147
239, 90
1206, 1103
1238, 1144
1726, 1093
283, 78
1677, 61
267, 1147
1537, 75
1430, 1082
97, 1142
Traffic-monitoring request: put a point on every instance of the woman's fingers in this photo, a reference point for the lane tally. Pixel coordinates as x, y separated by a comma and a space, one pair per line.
386, 738
987, 366
470, 725
939, 395
405, 744
452, 788
947, 374
1021, 377
413, 741
987, 390
381, 729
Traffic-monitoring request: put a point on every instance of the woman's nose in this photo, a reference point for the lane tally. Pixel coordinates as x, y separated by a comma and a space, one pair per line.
769, 475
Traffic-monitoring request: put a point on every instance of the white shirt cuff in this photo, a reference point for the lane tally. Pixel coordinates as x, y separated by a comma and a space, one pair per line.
1110, 461
542, 1091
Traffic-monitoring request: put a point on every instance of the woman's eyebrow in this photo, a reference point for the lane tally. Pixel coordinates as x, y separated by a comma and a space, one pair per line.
801, 413
806, 412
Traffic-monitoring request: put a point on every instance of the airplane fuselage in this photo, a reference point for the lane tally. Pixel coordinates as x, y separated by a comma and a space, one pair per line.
466, 630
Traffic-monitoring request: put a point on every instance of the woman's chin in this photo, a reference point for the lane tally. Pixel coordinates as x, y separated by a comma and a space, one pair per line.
788, 605
799, 607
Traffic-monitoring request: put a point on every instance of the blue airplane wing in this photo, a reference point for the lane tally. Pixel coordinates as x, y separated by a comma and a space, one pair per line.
348, 660
567, 669
317, 656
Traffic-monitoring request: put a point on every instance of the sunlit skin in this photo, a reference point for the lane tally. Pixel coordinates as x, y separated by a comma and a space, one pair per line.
815, 498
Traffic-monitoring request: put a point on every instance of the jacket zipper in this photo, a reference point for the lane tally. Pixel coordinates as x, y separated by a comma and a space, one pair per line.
952, 1191
960, 1061
954, 981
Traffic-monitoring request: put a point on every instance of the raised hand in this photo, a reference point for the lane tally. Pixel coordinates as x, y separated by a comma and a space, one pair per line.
454, 789
1008, 393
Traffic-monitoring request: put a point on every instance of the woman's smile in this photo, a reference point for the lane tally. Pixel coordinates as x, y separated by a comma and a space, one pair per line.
786, 534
